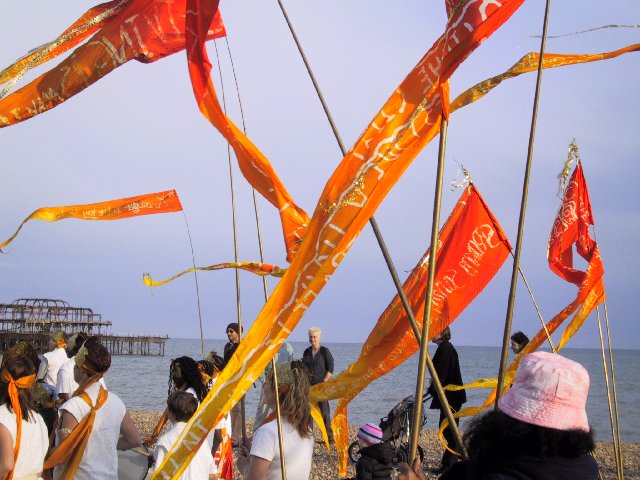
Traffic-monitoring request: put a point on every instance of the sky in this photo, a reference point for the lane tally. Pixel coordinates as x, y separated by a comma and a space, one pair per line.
138, 130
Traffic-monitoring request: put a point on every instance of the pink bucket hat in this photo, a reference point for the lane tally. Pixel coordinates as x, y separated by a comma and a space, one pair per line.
370, 433
548, 391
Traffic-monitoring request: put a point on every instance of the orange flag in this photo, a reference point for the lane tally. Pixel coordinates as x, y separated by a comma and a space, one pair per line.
405, 124
257, 268
148, 204
255, 167
529, 63
570, 227
143, 30
473, 248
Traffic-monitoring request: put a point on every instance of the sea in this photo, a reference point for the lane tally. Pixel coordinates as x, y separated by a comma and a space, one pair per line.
142, 382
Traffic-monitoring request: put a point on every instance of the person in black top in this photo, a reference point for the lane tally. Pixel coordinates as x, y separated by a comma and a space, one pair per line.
319, 362
233, 334
447, 366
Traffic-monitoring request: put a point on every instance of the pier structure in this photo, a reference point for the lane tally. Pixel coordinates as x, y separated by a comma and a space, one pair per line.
34, 319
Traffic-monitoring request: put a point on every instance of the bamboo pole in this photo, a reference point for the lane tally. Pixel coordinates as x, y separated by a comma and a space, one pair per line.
615, 390
425, 360
523, 209
265, 287
535, 304
372, 220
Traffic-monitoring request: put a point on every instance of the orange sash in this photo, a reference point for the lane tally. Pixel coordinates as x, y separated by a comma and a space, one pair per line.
71, 449
14, 385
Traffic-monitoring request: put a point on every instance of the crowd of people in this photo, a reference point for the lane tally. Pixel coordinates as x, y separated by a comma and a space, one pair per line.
59, 420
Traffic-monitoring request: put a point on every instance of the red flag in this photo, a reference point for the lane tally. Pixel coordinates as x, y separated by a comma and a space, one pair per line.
142, 30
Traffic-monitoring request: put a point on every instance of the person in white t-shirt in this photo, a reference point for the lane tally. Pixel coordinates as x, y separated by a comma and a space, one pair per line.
181, 406
260, 458
112, 427
55, 358
66, 383
24, 439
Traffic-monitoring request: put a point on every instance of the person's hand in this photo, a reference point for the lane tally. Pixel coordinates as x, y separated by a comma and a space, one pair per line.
414, 473
244, 448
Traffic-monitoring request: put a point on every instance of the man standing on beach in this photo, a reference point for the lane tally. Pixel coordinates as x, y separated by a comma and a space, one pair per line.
319, 361
233, 334
447, 366
56, 357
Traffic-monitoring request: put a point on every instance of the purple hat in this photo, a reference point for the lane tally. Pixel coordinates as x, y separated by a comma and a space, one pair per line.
549, 391
370, 433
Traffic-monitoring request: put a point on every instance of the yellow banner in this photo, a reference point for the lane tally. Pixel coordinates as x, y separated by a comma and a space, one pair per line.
148, 204
262, 269
408, 121
529, 63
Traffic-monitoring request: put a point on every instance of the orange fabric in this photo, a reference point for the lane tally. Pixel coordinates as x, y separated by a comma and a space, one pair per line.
70, 450
472, 249
529, 63
61, 343
406, 123
143, 30
257, 268
147, 204
223, 457
255, 167
570, 227
13, 386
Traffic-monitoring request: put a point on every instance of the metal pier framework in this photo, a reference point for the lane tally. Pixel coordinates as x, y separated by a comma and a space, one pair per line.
33, 319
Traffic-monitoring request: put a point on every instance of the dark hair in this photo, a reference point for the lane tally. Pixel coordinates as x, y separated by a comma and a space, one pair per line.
98, 357
183, 374
81, 337
182, 405
520, 338
18, 366
495, 436
206, 366
446, 334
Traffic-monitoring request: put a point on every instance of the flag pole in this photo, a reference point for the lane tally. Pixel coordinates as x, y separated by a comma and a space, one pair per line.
535, 304
235, 246
523, 208
425, 360
372, 220
615, 390
265, 286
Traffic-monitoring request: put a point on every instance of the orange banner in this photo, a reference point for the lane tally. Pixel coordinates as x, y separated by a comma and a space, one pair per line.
529, 63
255, 167
148, 204
262, 269
408, 121
143, 30
570, 227
472, 249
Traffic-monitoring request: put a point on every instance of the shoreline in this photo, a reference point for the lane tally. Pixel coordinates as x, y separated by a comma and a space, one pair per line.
323, 464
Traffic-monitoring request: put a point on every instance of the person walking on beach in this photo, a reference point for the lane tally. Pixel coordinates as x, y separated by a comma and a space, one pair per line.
319, 362
518, 341
447, 366
233, 334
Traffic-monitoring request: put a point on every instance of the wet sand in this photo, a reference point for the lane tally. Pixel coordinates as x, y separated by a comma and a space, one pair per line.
324, 466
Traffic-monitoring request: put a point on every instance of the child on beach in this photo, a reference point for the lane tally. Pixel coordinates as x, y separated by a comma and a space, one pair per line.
181, 406
375, 455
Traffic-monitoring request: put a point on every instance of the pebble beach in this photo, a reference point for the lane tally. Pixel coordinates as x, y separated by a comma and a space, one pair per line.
324, 465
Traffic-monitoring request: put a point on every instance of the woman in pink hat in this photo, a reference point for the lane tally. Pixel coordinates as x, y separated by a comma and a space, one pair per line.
541, 431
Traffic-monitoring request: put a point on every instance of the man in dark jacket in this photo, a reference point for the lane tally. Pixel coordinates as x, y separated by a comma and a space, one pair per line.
319, 362
447, 366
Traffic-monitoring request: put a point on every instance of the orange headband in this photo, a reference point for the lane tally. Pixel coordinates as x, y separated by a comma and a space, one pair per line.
13, 386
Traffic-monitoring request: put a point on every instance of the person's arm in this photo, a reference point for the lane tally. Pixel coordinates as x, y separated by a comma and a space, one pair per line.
158, 454
414, 473
217, 440
6, 452
129, 434
258, 468
364, 469
328, 363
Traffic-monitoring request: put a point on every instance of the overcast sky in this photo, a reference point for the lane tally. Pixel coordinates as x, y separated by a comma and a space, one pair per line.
138, 130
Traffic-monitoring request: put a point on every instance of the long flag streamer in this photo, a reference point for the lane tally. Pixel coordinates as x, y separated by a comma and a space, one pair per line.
570, 227
262, 269
143, 30
473, 248
255, 167
529, 63
405, 124
148, 204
